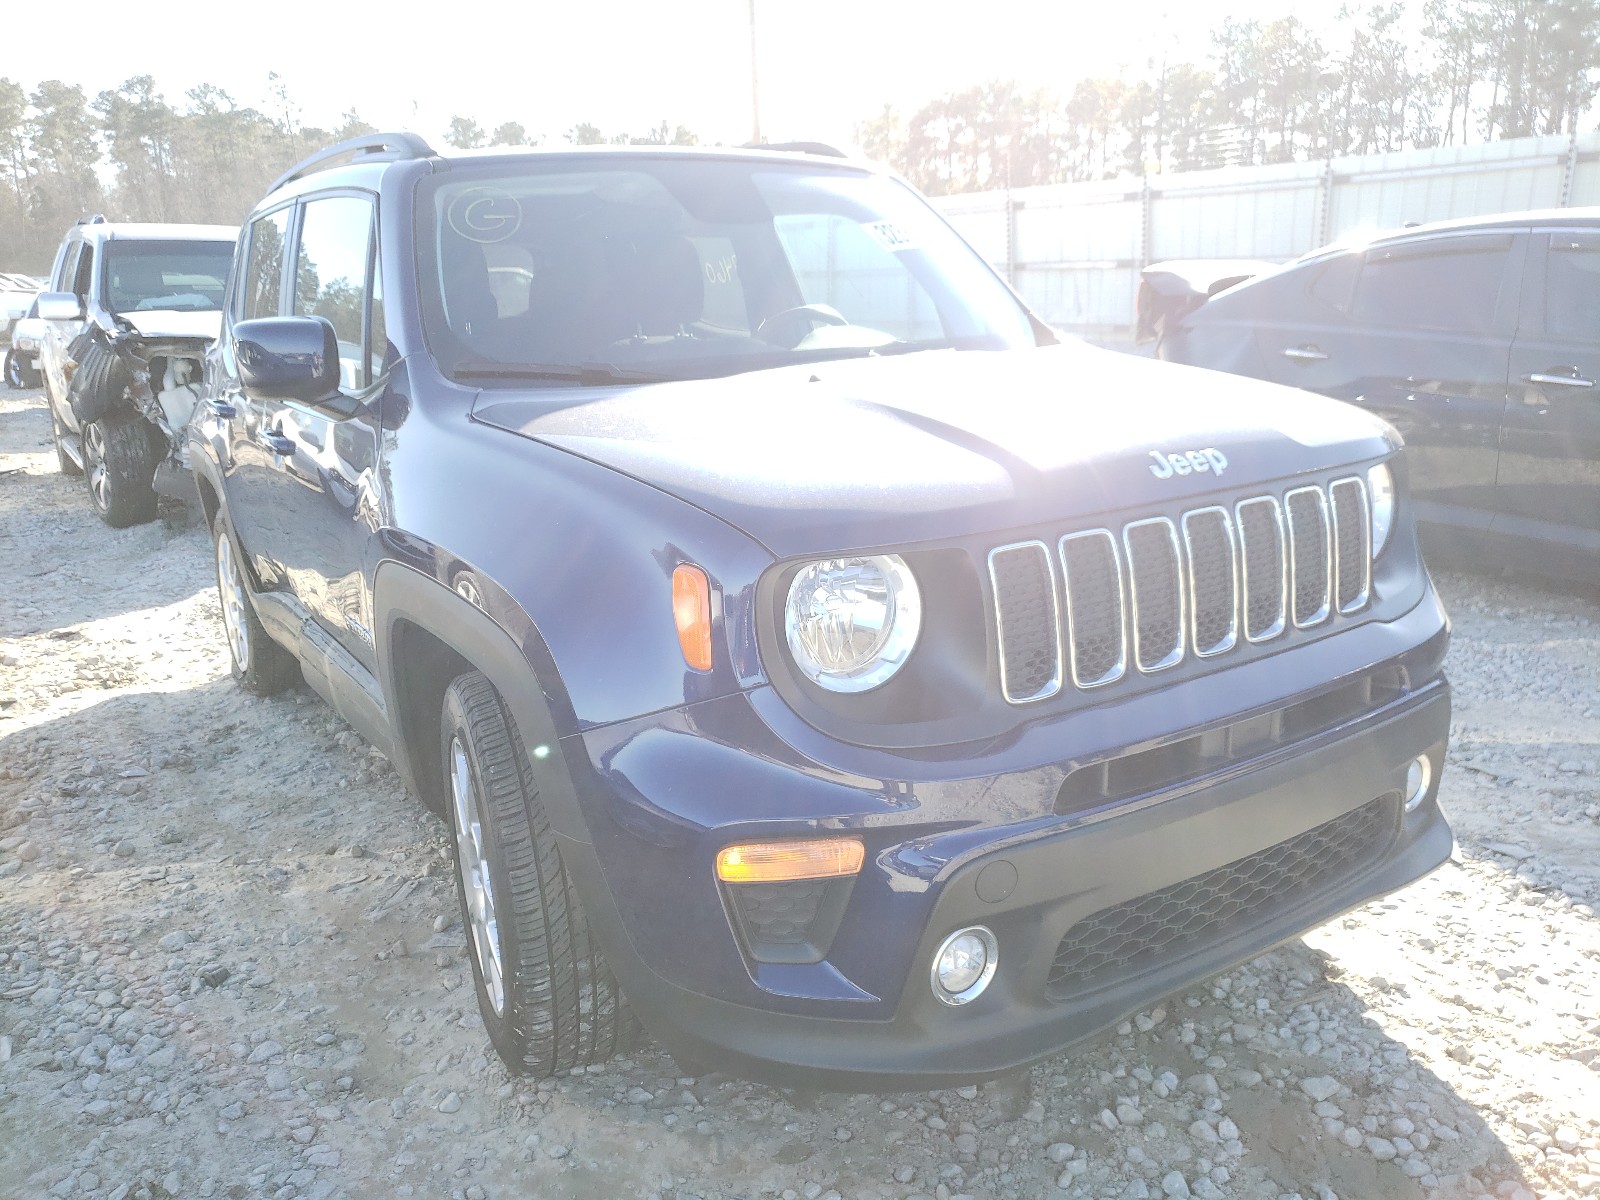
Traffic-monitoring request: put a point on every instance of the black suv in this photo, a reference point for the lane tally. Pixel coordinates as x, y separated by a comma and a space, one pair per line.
815, 662
1479, 339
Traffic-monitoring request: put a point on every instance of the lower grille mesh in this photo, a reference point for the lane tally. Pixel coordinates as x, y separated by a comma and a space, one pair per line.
1121, 941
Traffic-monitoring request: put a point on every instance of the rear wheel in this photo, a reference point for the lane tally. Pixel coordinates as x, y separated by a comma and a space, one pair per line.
260, 665
548, 999
119, 465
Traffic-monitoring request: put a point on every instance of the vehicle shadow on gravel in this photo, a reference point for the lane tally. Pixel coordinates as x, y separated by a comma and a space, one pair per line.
1522, 787
60, 567
290, 932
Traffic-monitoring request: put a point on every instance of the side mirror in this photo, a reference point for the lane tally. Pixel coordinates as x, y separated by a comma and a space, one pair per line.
60, 306
287, 358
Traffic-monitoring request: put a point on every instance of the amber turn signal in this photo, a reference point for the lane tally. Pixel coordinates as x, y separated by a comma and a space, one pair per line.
780, 862
691, 609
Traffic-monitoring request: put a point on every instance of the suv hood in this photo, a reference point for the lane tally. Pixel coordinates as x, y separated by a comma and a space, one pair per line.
173, 323
880, 452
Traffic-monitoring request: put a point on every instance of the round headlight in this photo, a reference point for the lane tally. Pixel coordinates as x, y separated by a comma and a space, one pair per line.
1380, 488
851, 622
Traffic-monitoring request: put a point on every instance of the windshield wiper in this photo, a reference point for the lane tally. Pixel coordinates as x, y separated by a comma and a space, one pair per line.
589, 374
913, 347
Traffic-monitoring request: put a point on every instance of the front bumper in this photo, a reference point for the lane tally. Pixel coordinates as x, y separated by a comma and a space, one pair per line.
1098, 911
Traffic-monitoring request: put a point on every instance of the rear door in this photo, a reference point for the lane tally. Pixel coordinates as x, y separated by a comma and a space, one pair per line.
1418, 331
1549, 481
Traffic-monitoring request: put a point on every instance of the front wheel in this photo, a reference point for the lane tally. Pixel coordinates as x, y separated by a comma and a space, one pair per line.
16, 372
548, 999
260, 665
119, 465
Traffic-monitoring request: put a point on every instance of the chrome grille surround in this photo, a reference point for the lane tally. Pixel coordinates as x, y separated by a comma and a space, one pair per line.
1079, 545
1310, 557
1033, 635
1258, 567
1352, 531
1167, 588
1162, 604
1204, 603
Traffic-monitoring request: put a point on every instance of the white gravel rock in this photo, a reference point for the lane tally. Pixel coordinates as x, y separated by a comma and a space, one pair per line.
1320, 1087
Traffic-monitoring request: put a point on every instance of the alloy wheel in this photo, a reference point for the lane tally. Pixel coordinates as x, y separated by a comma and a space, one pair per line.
473, 863
231, 586
94, 461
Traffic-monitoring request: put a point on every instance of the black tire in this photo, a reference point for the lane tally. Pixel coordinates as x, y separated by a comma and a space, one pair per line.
69, 466
15, 377
559, 1004
260, 666
99, 381
119, 469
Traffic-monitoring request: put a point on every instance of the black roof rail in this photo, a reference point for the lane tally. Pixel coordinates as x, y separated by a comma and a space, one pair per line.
821, 148
97, 219
370, 147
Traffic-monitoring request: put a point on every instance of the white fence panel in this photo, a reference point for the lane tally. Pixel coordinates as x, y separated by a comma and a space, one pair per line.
1074, 251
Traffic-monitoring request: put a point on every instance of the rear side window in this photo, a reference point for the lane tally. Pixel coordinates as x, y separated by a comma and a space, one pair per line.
1572, 287
68, 269
1335, 282
83, 274
263, 279
1451, 285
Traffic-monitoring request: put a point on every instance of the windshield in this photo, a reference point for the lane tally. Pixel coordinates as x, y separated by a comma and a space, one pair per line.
673, 268
186, 276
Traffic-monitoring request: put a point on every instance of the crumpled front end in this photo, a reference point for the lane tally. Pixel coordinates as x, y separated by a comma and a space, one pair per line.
155, 378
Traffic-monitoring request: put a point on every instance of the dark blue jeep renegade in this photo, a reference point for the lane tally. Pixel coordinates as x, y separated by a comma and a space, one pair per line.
817, 664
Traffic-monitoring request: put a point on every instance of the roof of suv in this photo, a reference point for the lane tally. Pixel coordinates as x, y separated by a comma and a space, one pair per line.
382, 148
1535, 217
107, 231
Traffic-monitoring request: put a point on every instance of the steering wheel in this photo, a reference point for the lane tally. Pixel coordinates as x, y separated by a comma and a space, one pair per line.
788, 327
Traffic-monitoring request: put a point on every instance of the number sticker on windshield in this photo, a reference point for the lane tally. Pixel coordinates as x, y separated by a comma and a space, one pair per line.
889, 235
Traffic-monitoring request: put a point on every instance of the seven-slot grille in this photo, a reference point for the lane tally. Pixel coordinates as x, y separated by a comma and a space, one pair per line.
1161, 590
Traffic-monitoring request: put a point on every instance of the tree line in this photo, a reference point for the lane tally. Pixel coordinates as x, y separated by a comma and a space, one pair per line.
130, 154
1392, 76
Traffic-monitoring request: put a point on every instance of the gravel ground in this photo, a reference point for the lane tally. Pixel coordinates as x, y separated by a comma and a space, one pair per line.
231, 963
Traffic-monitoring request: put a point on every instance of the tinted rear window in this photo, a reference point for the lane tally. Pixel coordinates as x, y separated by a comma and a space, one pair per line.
1572, 287
1451, 284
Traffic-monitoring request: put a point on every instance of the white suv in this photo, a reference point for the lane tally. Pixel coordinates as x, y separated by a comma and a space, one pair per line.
129, 314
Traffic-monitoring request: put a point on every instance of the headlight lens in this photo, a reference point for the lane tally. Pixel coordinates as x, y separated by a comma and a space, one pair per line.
851, 622
1380, 490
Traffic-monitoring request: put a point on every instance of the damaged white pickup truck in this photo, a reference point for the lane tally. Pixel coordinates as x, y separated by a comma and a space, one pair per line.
131, 311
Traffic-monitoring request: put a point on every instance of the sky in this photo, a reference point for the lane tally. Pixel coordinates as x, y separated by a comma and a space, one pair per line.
626, 66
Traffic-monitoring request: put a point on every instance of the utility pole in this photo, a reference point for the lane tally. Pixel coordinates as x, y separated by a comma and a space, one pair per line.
755, 91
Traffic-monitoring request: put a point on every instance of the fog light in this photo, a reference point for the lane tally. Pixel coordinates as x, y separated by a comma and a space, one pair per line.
964, 964
1418, 775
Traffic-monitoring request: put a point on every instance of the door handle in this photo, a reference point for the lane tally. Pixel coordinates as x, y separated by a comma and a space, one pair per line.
221, 408
278, 442
1574, 380
1305, 354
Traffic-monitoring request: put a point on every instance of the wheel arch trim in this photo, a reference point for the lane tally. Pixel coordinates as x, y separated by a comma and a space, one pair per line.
403, 595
